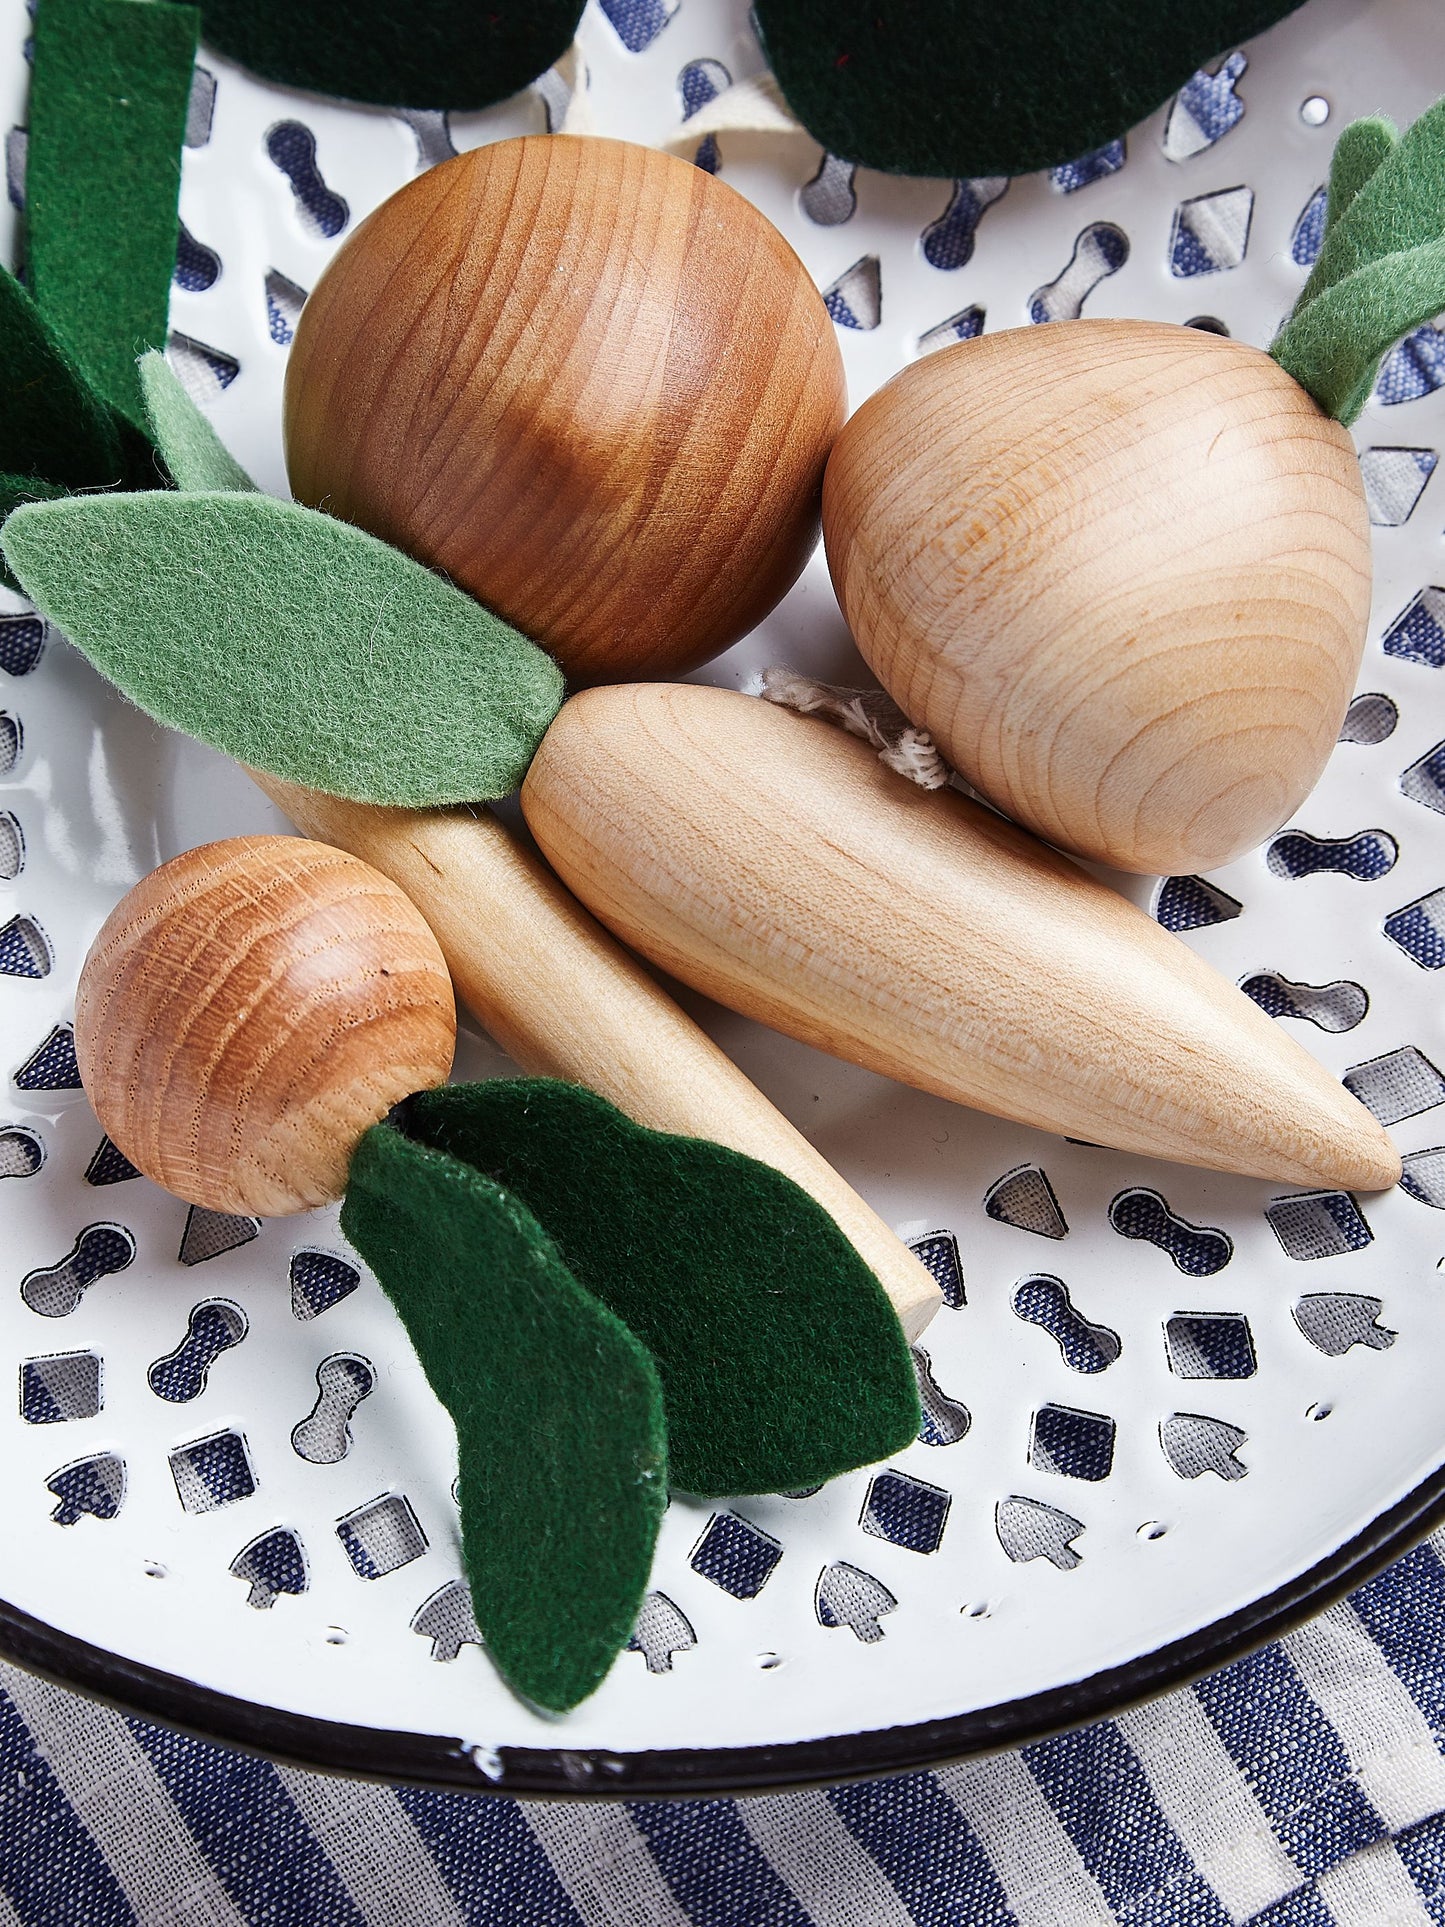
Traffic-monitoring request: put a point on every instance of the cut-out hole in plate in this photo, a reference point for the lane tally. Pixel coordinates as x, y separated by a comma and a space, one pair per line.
1204, 109
1097, 165
1336, 1321
93, 1488
210, 1234
1318, 1224
319, 1280
1025, 1199
22, 643
938, 1254
324, 1436
1423, 1176
1044, 1300
1210, 1344
845, 1595
1189, 903
447, 1620
54, 1291
1366, 856
1418, 929
737, 1556
291, 146
109, 1166
1424, 781
1397, 1085
271, 1565
1194, 1445
59, 1389
1369, 719
948, 242
22, 1152
213, 1472
1072, 1444
1198, 1250
1099, 251
1028, 1529
1210, 234
1333, 1007
51, 1066
25, 949
906, 1511
945, 1420
12, 846
855, 299
381, 1536
1418, 633
212, 1328
1394, 480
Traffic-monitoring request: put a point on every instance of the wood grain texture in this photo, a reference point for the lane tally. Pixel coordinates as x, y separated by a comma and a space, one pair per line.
590, 383
248, 1010
772, 862
1120, 570
564, 1000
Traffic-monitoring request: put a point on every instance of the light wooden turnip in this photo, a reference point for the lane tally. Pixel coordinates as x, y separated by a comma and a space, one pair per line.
772, 862
1119, 570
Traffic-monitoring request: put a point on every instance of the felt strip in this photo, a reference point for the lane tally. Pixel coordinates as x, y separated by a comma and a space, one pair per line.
292, 641
1359, 151
1400, 206
1333, 344
194, 453
782, 1362
561, 1438
108, 99
974, 89
442, 53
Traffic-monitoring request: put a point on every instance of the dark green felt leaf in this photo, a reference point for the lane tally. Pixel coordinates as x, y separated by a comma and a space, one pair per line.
560, 1430
438, 53
52, 423
977, 88
111, 82
290, 640
782, 1361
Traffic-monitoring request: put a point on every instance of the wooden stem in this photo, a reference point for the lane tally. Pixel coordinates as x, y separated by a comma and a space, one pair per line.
564, 999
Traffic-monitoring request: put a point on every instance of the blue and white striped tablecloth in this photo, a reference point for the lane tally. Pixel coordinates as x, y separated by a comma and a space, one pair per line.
1302, 1787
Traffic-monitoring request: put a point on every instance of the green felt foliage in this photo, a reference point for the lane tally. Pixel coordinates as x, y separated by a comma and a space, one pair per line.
974, 88
292, 641
436, 53
194, 453
782, 1361
1381, 269
560, 1431
108, 98
57, 435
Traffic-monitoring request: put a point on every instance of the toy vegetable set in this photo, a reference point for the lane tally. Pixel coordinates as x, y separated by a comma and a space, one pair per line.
564, 418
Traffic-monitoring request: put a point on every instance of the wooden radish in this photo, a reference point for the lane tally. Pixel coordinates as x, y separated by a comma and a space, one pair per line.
1119, 570
589, 383
772, 862
563, 1000
248, 1010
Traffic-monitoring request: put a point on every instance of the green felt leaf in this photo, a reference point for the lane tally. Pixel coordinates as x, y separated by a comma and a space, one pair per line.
1359, 151
194, 452
439, 53
290, 640
782, 1361
52, 423
1332, 346
111, 83
1399, 206
974, 88
14, 490
560, 1431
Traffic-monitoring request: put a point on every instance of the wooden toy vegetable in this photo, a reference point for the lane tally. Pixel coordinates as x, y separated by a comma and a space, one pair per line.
771, 861
1120, 570
249, 1010
591, 384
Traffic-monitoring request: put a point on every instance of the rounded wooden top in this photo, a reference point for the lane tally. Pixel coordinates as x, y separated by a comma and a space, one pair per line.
1119, 569
248, 1010
590, 383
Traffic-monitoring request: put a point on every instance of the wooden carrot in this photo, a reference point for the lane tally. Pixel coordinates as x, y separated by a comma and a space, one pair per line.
771, 861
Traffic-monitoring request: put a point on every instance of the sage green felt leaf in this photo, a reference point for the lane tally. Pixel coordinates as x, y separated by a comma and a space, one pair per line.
782, 1361
292, 641
1359, 151
194, 452
1400, 206
560, 1432
1333, 345
110, 87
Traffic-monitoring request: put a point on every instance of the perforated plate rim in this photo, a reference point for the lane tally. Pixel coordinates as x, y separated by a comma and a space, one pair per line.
564, 1773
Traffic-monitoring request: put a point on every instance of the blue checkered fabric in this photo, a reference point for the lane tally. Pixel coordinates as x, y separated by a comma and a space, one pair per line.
1302, 1787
